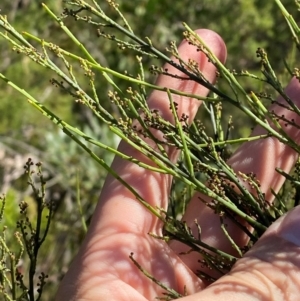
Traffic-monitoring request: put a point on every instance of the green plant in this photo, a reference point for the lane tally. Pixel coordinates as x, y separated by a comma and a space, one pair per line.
20, 279
205, 147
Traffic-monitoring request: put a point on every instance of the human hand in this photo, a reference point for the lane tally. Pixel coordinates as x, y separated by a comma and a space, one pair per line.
120, 225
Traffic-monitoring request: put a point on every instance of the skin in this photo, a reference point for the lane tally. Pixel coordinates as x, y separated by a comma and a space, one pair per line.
102, 269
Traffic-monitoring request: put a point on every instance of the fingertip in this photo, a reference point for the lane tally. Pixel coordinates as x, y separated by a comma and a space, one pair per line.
177, 80
283, 109
188, 52
215, 43
288, 227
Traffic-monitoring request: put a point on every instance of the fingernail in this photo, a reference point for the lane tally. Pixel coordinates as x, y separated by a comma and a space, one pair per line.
289, 228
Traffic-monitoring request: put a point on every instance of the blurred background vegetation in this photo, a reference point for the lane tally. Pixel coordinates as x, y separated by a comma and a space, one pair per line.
244, 25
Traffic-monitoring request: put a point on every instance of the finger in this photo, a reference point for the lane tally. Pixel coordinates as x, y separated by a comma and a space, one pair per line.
260, 157
118, 207
269, 271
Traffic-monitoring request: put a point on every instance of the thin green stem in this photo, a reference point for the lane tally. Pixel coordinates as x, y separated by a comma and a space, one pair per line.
79, 44
182, 136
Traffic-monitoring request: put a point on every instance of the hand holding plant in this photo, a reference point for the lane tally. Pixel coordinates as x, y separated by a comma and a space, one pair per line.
121, 225
179, 216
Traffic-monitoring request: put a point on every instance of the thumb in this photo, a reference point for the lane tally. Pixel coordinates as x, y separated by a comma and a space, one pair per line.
269, 271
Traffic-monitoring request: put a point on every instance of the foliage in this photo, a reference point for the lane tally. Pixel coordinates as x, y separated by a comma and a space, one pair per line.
106, 69
32, 230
